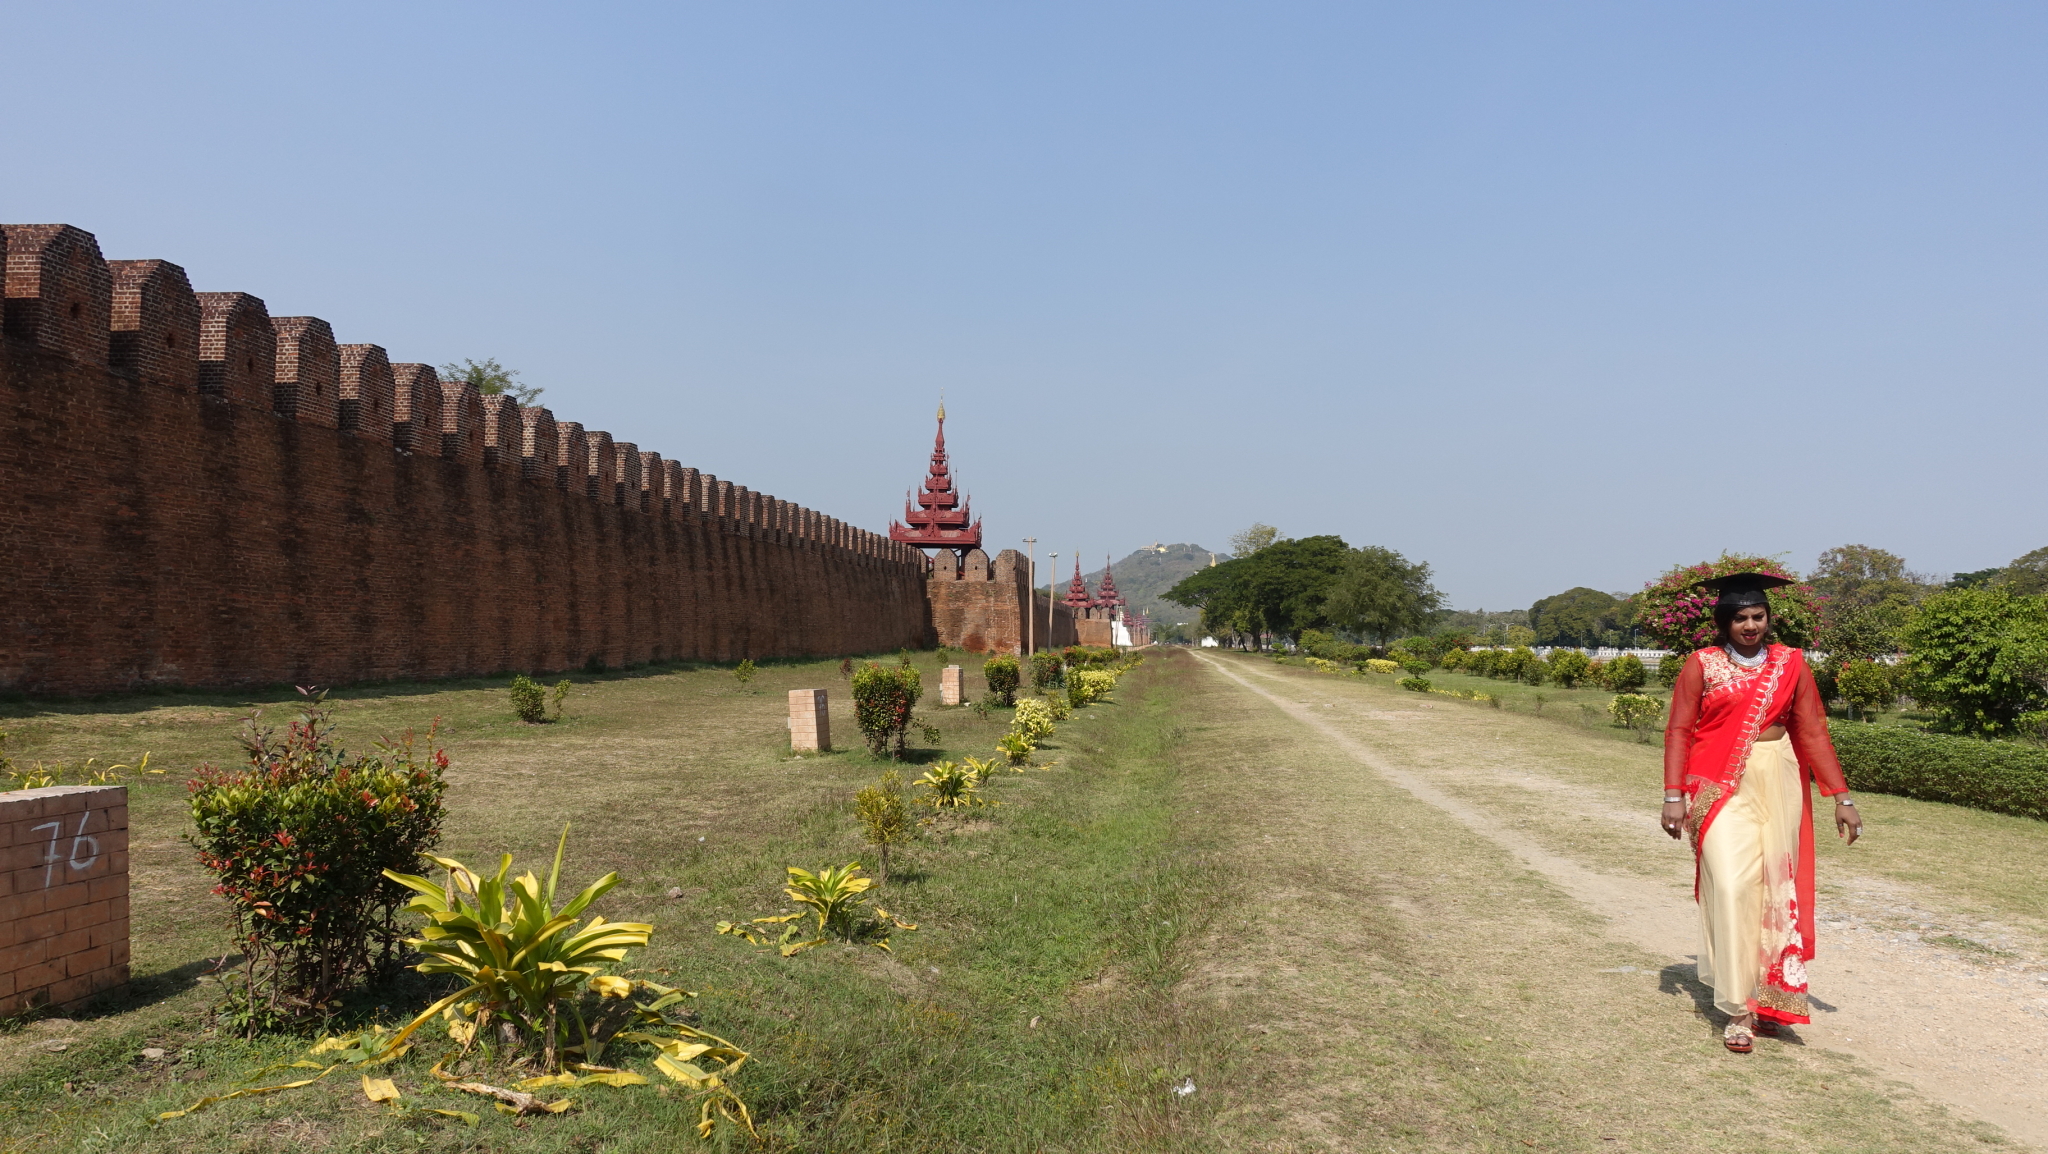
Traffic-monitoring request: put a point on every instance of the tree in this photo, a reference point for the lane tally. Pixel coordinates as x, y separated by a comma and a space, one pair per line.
1580, 616
491, 378
2027, 576
1280, 589
1863, 576
1380, 594
1253, 539
1678, 614
1970, 655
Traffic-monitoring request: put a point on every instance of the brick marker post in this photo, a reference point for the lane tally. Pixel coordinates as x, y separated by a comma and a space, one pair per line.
810, 726
63, 894
949, 685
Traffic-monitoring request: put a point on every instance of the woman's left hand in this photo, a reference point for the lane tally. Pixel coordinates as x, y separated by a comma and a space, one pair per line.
1848, 823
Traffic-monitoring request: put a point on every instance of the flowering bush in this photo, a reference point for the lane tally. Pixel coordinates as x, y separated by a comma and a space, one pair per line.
1382, 665
1635, 711
882, 700
1046, 669
1678, 615
298, 843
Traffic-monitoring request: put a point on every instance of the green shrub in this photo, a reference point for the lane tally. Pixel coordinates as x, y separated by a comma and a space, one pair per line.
1418, 684
1635, 711
1999, 776
1479, 662
1057, 704
1673, 663
298, 843
883, 698
1869, 686
1963, 642
1095, 684
529, 700
744, 672
1002, 675
1032, 721
1568, 666
1046, 669
1316, 643
1625, 674
1415, 667
884, 820
1452, 659
1534, 669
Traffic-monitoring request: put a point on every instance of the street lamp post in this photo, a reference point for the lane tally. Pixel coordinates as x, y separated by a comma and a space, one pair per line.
1052, 568
1031, 601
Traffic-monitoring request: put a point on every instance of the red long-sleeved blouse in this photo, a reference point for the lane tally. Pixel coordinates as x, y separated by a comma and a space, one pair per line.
1806, 722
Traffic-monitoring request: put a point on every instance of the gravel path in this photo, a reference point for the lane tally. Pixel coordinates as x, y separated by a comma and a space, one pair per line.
1956, 1008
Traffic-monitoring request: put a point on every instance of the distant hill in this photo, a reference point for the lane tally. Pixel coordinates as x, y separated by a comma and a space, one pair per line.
1151, 571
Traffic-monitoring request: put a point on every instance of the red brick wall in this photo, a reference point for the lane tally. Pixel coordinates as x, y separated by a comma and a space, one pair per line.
980, 607
153, 534
63, 894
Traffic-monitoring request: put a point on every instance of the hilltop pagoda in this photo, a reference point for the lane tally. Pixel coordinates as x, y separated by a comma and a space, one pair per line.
939, 517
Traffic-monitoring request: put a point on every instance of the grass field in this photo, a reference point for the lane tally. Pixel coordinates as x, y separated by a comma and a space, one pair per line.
1021, 1016
1201, 929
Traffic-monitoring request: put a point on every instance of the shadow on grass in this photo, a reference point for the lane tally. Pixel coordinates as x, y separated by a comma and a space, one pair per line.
142, 699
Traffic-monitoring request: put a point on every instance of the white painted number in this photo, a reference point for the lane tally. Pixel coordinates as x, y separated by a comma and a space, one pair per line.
78, 838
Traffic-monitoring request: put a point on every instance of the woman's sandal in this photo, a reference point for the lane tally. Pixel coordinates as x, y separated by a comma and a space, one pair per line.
1766, 1027
1738, 1037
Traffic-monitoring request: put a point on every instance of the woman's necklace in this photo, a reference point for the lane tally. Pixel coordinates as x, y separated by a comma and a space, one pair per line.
1756, 662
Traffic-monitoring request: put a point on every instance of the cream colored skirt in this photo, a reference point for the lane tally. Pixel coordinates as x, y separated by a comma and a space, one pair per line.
1747, 905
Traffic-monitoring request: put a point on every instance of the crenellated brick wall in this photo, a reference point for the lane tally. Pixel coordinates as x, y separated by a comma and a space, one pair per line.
979, 605
199, 493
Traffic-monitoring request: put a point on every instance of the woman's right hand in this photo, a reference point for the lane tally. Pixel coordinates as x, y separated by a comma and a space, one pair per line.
1673, 819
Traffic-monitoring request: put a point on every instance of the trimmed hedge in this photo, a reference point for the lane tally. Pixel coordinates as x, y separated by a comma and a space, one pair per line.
2000, 776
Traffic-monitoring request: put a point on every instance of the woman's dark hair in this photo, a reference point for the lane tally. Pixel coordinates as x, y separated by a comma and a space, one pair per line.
1724, 616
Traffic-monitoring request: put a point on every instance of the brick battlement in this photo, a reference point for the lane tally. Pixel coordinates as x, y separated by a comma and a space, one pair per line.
202, 493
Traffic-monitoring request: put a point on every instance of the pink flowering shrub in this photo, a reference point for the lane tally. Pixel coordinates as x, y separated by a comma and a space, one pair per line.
1678, 615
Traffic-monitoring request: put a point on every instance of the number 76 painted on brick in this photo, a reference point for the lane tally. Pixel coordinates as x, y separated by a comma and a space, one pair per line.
78, 838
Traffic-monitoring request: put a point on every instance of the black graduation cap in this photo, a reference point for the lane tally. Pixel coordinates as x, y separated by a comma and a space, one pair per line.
1738, 590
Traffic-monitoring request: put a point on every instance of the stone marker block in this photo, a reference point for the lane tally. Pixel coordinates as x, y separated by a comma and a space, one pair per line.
810, 726
64, 877
949, 685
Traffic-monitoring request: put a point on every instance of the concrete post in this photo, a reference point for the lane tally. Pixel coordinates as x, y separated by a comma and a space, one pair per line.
810, 725
64, 919
949, 686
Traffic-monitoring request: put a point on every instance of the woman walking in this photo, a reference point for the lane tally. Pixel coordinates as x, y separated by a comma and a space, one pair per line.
1748, 732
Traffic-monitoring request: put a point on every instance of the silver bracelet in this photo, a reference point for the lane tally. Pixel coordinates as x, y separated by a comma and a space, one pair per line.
1845, 801
1673, 800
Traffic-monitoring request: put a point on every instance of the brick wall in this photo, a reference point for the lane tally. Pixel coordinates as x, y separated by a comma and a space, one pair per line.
173, 523
63, 894
980, 606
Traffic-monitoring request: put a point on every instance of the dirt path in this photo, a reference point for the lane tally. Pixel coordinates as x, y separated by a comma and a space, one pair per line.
1962, 1034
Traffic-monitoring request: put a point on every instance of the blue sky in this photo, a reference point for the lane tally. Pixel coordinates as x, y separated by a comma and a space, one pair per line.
1544, 294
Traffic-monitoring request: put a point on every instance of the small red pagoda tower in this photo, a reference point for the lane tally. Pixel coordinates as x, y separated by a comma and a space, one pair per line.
1106, 596
1077, 597
939, 520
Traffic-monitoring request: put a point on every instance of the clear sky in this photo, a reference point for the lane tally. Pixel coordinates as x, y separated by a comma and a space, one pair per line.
1544, 294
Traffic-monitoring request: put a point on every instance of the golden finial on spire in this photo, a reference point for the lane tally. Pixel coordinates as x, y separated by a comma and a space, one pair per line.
942, 406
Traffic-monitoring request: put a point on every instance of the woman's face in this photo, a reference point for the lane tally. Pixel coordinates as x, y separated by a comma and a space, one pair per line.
1750, 624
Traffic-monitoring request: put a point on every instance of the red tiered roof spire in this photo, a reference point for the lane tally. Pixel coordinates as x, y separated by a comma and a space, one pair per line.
1106, 596
1077, 590
939, 520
